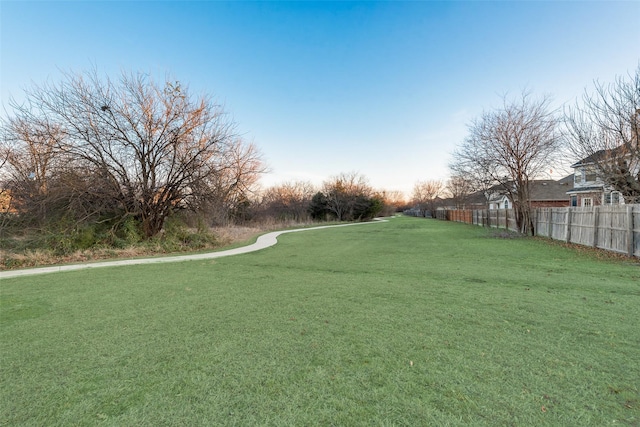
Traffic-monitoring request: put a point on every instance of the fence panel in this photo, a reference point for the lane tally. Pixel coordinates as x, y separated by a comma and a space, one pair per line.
612, 229
582, 226
543, 222
484, 218
551, 222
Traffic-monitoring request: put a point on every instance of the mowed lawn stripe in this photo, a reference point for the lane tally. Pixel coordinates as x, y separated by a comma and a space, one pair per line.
410, 322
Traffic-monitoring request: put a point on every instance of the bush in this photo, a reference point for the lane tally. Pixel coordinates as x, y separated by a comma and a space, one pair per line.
176, 236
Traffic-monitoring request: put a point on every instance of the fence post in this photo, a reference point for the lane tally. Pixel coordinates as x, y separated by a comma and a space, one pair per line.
567, 229
630, 242
596, 217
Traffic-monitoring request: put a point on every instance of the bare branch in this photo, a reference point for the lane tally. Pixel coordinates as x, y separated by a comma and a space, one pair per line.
602, 133
509, 147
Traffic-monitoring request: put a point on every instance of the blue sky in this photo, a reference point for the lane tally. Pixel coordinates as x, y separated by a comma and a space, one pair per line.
385, 89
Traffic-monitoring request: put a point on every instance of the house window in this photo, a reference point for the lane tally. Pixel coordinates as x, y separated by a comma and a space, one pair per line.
612, 198
577, 177
574, 201
506, 204
587, 202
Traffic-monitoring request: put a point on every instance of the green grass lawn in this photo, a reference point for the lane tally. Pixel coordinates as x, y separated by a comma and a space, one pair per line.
410, 322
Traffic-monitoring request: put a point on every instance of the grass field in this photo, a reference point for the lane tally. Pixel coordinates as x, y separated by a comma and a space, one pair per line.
410, 322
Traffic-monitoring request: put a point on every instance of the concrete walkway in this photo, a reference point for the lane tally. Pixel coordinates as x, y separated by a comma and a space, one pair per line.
262, 242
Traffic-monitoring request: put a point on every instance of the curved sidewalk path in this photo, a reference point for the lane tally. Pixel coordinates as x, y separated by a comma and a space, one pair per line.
263, 241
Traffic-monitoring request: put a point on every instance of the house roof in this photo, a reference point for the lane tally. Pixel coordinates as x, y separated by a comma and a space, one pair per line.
589, 160
603, 155
548, 189
477, 198
541, 190
545, 189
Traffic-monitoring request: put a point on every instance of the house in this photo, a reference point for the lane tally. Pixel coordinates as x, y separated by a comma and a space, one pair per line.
499, 200
543, 193
476, 200
589, 188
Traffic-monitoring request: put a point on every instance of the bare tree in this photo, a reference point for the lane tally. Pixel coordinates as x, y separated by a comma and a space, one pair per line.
32, 162
467, 162
154, 148
348, 196
459, 189
425, 195
509, 147
288, 201
226, 195
603, 132
393, 201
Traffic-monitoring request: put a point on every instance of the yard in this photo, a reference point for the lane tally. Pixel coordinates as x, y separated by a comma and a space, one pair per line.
409, 322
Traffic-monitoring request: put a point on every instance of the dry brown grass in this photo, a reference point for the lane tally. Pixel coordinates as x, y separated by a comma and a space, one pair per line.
225, 236
234, 234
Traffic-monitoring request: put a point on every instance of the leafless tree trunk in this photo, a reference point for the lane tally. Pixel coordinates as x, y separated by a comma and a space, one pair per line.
603, 133
509, 147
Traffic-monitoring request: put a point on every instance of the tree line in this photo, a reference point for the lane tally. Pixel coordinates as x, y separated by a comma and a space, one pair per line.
510, 146
121, 157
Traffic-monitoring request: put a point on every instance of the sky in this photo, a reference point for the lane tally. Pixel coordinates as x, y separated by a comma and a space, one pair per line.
385, 89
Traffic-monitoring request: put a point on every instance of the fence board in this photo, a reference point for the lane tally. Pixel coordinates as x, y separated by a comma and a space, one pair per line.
635, 219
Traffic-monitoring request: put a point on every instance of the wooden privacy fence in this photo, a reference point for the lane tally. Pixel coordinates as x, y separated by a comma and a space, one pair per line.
497, 218
614, 228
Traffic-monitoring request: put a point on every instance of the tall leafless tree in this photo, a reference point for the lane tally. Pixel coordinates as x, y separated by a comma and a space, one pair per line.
425, 195
459, 188
603, 132
509, 147
152, 147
